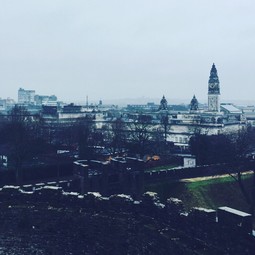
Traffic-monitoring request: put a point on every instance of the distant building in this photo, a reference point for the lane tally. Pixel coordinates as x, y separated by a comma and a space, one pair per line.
180, 122
163, 104
49, 110
67, 115
71, 108
217, 119
46, 100
249, 112
26, 96
29, 98
6, 104
2, 104
193, 105
149, 107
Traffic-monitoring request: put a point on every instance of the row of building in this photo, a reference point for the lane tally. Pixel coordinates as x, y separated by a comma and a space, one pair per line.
182, 120
29, 99
215, 119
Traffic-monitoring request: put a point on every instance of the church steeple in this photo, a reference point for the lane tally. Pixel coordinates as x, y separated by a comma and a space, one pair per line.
213, 83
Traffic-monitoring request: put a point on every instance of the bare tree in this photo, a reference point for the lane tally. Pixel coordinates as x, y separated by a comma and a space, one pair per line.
244, 144
140, 134
232, 149
22, 136
85, 128
119, 133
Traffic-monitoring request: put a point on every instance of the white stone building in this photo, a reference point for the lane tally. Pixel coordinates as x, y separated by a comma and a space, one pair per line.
217, 119
26, 96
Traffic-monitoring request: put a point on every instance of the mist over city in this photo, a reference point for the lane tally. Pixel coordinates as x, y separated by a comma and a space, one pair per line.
113, 49
127, 127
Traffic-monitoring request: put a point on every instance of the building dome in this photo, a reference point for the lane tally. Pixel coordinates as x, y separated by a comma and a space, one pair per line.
163, 104
194, 104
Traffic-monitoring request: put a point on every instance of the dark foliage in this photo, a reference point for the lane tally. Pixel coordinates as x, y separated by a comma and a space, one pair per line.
22, 138
213, 149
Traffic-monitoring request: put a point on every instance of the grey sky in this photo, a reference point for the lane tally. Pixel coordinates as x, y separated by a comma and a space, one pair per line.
110, 49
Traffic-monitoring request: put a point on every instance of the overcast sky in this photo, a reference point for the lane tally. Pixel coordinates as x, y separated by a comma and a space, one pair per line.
110, 49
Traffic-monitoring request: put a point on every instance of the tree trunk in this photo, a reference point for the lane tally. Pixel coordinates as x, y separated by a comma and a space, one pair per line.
19, 176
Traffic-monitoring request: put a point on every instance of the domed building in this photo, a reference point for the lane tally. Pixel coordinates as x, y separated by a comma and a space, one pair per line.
193, 105
216, 119
163, 104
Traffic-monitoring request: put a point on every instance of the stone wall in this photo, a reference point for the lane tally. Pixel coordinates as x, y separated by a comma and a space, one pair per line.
120, 175
149, 204
199, 171
50, 220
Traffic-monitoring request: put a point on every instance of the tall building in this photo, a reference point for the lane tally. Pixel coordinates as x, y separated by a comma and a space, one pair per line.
26, 96
213, 91
218, 119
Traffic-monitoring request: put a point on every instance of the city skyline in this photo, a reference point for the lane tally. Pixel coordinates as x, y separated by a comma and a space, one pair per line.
114, 50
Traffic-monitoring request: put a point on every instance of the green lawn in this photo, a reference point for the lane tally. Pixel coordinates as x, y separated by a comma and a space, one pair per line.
211, 193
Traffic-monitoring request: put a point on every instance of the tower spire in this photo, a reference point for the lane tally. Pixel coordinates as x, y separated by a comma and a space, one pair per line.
213, 91
213, 83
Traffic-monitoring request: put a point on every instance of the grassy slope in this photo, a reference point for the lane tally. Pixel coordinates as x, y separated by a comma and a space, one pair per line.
211, 193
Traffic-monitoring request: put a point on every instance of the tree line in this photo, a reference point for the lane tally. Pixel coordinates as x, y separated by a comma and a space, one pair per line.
24, 136
235, 149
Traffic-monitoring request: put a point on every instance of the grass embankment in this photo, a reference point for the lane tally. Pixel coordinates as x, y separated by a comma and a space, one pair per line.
210, 193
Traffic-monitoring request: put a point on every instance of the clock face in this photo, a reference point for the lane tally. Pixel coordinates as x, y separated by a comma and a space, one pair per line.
212, 85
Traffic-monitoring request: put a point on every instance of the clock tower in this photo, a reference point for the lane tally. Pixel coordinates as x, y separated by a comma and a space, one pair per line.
213, 91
